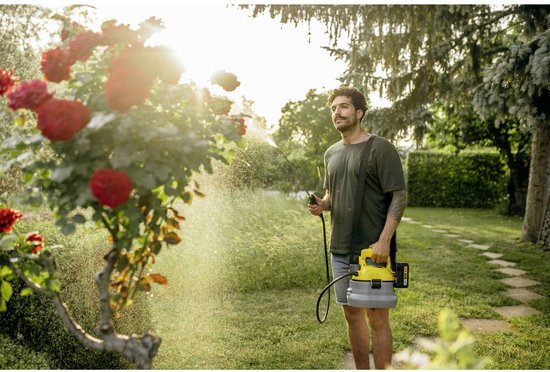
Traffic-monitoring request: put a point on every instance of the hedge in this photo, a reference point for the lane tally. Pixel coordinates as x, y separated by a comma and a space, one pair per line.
464, 180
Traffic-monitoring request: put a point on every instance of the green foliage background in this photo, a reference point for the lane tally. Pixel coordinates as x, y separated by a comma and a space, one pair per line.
467, 179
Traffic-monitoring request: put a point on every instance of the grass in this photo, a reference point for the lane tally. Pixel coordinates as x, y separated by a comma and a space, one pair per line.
244, 283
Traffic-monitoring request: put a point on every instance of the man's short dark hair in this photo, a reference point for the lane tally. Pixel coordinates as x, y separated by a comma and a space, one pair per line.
357, 98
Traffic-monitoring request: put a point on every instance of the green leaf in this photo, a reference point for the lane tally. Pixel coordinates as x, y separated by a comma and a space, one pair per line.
25, 292
6, 242
5, 271
62, 173
3, 306
6, 290
68, 228
78, 218
99, 119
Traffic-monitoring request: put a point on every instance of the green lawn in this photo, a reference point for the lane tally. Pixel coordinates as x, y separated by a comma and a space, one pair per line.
244, 283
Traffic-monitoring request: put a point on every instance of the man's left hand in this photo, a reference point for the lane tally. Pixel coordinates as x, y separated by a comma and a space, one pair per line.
380, 251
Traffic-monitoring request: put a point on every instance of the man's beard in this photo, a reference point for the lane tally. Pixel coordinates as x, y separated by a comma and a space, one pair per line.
346, 124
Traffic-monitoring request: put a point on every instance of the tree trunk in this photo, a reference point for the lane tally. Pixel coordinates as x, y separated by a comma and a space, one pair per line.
539, 184
544, 237
518, 164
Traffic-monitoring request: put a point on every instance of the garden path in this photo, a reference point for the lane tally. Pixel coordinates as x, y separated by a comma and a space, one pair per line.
516, 280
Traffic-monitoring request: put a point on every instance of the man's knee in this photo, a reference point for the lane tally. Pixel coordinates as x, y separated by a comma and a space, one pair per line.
378, 318
354, 314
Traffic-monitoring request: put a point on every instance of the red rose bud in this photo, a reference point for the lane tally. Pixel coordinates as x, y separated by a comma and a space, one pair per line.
56, 64
59, 119
127, 87
29, 95
6, 82
110, 188
8, 217
82, 45
36, 240
226, 80
65, 34
242, 126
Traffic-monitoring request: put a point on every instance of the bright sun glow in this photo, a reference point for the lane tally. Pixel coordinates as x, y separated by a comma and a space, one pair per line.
274, 62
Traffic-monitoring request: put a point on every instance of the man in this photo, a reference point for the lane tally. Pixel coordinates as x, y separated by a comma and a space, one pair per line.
384, 202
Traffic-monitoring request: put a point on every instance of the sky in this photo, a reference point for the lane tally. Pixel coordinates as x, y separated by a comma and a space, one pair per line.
275, 63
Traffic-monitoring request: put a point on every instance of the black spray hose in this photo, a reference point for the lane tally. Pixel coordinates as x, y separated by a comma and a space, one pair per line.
323, 292
327, 273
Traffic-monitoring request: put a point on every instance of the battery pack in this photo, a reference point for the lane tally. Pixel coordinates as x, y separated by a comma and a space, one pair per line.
401, 275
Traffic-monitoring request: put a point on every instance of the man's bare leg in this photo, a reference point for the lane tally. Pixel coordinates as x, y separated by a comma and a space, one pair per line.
379, 321
358, 332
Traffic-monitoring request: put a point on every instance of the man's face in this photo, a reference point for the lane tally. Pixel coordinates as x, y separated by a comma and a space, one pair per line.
344, 114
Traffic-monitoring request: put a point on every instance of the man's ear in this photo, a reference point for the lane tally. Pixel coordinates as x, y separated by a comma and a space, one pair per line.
359, 114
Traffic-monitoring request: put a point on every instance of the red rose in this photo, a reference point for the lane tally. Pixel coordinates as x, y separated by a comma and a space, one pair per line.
29, 95
56, 64
117, 34
8, 216
242, 126
166, 64
226, 80
6, 82
36, 240
60, 119
110, 188
83, 44
127, 87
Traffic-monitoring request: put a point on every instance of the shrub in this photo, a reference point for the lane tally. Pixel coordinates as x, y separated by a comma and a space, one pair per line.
16, 356
33, 321
464, 180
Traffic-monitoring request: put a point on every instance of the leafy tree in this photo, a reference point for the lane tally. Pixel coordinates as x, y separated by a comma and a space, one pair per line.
418, 55
305, 132
456, 128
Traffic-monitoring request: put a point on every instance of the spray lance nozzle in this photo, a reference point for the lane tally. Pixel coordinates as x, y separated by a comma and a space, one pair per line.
312, 199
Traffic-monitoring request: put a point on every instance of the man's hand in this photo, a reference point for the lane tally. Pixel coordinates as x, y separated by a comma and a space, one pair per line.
319, 208
380, 251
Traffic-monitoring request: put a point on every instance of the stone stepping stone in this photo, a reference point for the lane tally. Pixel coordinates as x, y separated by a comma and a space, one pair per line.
514, 311
521, 294
485, 325
452, 235
428, 226
406, 219
519, 282
502, 263
492, 255
414, 222
466, 241
512, 271
440, 231
349, 363
482, 247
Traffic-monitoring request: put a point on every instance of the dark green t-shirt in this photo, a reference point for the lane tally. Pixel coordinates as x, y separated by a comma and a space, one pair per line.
384, 175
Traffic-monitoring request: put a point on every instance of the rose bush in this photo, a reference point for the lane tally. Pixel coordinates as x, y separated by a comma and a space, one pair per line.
119, 136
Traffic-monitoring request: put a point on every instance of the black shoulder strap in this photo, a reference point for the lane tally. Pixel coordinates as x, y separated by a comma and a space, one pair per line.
358, 201
356, 236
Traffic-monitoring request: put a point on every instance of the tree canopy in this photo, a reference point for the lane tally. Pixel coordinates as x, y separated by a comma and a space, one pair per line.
420, 55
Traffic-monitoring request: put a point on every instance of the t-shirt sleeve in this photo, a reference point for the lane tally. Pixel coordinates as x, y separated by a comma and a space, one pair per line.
390, 170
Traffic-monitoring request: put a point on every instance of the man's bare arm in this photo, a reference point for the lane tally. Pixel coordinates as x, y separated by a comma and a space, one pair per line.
397, 205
